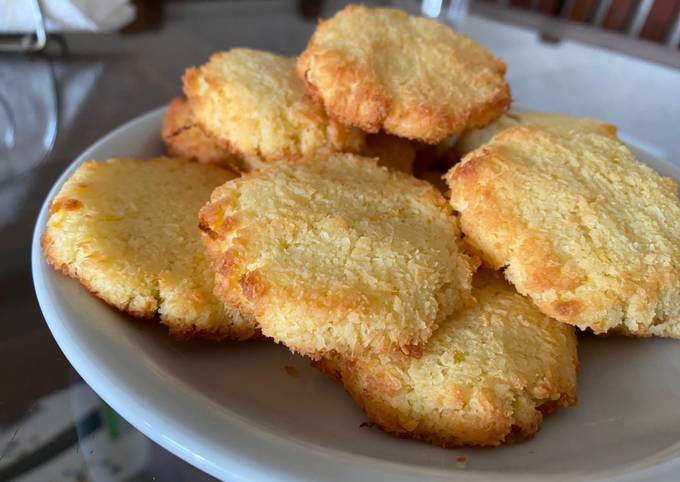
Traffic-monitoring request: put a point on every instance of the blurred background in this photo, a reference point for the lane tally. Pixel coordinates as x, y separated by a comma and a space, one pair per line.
624, 25
72, 70
616, 24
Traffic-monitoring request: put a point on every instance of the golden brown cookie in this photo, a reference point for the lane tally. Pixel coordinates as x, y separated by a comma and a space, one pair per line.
127, 230
486, 377
472, 140
591, 234
183, 138
379, 68
252, 103
337, 254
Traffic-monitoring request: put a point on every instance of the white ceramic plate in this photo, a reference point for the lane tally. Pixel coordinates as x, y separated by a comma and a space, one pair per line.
232, 410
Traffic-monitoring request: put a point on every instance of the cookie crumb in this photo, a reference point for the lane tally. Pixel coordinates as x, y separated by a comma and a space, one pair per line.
292, 371
461, 460
368, 424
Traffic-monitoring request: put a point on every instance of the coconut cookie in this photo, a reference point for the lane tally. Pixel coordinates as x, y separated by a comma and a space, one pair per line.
337, 254
591, 234
183, 138
127, 230
379, 68
252, 103
486, 377
474, 139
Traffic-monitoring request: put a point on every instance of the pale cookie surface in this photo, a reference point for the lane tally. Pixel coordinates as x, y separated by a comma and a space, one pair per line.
336, 253
486, 377
591, 234
183, 138
252, 103
409, 76
127, 230
475, 139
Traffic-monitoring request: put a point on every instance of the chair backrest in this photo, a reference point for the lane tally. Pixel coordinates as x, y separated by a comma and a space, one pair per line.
656, 20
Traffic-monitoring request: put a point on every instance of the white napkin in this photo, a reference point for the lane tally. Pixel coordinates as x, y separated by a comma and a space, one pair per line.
66, 15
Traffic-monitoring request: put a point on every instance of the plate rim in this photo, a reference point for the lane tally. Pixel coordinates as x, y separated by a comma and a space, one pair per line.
137, 411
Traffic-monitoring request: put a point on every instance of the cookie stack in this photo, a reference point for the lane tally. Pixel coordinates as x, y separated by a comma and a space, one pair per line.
290, 210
